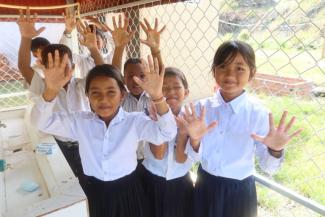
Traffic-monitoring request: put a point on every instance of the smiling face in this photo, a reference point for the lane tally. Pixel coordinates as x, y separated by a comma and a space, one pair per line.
105, 97
175, 92
134, 69
233, 77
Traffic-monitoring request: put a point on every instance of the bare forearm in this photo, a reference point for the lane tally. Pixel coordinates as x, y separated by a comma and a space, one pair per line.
49, 94
24, 59
158, 151
117, 57
95, 54
181, 157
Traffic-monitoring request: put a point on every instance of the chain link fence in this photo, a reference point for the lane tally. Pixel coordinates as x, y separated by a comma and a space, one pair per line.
288, 37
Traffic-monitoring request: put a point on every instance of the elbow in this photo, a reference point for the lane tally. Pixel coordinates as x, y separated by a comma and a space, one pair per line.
159, 156
181, 159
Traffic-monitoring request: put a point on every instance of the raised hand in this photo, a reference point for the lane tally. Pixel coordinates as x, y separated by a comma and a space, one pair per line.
153, 35
153, 80
120, 33
70, 21
58, 72
278, 137
195, 125
88, 37
27, 25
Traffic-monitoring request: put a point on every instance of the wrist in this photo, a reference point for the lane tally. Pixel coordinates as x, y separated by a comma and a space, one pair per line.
67, 32
50, 94
155, 51
195, 143
156, 97
275, 153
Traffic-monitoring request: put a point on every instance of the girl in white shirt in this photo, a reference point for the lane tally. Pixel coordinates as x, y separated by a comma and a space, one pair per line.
108, 136
225, 186
165, 172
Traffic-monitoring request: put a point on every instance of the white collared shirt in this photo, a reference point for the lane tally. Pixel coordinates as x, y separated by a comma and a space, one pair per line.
132, 104
71, 100
167, 167
228, 150
107, 153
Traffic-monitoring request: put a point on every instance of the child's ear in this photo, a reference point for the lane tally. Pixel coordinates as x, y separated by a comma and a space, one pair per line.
187, 92
252, 74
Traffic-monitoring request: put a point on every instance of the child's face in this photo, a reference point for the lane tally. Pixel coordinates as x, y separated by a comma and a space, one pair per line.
130, 71
175, 92
232, 78
105, 97
37, 53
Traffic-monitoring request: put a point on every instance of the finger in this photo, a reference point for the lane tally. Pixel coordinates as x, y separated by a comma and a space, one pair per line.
94, 29
64, 16
56, 58
28, 13
40, 30
162, 29
114, 23
49, 60
183, 122
156, 24
88, 29
34, 17
151, 66
120, 21
138, 81
162, 71
131, 34
212, 125
64, 61
80, 27
156, 65
21, 14
148, 24
187, 111
126, 23
282, 120
271, 122
145, 29
203, 113
289, 125
82, 41
257, 137
296, 133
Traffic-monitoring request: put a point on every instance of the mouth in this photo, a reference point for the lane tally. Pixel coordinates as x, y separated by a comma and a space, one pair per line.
104, 107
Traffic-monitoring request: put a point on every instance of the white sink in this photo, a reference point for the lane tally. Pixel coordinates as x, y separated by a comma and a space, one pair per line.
59, 192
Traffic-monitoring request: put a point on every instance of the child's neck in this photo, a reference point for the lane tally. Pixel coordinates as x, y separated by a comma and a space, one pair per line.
108, 120
227, 97
137, 96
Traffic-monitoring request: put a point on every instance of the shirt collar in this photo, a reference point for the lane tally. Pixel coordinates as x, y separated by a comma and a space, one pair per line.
235, 104
119, 117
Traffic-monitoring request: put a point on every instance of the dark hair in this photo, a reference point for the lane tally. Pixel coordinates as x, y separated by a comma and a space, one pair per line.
172, 71
39, 42
132, 61
98, 31
228, 50
106, 70
51, 49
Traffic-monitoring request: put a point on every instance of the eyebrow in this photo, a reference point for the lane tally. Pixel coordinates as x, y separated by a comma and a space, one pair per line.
108, 88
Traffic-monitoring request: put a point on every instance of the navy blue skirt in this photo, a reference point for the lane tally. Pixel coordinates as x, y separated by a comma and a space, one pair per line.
223, 197
172, 198
123, 197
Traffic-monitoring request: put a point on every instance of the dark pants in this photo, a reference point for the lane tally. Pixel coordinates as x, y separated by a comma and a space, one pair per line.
70, 151
224, 197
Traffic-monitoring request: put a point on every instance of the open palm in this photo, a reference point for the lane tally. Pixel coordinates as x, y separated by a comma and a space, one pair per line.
27, 25
278, 137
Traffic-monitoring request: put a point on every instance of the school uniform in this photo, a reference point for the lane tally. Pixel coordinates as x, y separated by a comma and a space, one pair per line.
84, 62
225, 185
132, 104
72, 99
167, 183
108, 154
